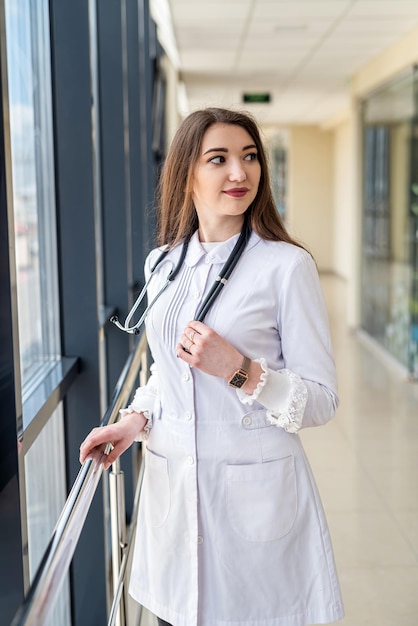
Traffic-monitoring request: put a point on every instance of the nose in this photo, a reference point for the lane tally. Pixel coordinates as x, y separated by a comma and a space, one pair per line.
237, 172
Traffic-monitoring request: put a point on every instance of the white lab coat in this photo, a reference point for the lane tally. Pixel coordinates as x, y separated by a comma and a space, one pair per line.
231, 531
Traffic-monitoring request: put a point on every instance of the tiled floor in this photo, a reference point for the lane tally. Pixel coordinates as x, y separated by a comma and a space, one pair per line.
366, 465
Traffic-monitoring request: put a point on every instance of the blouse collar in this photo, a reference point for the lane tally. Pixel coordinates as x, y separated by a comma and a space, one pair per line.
218, 254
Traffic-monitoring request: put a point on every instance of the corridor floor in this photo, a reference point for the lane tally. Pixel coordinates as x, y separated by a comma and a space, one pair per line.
366, 465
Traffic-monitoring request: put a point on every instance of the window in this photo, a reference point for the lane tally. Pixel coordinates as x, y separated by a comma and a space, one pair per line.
388, 265
42, 480
45, 498
29, 84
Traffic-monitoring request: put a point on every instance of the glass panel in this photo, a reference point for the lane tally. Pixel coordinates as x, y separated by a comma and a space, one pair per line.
393, 103
278, 159
45, 498
413, 238
28, 58
386, 255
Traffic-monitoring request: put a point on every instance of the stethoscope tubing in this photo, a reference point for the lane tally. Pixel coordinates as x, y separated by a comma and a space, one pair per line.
214, 292
226, 272
134, 330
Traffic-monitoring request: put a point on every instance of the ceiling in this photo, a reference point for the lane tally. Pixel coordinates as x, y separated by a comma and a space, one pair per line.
303, 52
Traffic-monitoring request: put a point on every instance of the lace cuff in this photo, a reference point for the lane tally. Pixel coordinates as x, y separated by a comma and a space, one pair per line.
249, 399
143, 402
283, 393
144, 433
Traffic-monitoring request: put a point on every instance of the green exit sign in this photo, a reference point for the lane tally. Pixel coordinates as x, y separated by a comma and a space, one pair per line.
256, 98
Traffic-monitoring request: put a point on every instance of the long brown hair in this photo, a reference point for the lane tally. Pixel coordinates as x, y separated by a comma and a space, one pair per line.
177, 217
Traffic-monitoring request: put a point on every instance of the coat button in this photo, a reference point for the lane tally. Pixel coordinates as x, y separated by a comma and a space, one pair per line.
190, 460
185, 376
246, 421
200, 539
188, 416
196, 295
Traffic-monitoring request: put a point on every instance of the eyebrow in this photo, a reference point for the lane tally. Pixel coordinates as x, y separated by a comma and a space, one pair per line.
251, 145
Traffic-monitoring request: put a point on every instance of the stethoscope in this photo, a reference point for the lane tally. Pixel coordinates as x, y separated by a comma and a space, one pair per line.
214, 292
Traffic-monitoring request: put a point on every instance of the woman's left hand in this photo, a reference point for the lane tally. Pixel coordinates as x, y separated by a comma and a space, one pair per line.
208, 351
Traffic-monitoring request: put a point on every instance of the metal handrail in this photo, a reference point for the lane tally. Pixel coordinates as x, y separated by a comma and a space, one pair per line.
54, 565
117, 592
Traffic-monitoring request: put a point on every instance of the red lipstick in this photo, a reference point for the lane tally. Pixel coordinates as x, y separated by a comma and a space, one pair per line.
236, 192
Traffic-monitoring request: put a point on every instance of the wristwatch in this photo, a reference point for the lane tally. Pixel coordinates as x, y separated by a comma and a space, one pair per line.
240, 376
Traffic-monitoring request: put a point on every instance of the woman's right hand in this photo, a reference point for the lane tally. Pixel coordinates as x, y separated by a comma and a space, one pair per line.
120, 435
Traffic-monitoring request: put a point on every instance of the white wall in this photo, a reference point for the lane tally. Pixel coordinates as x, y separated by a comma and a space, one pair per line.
347, 208
343, 199
309, 212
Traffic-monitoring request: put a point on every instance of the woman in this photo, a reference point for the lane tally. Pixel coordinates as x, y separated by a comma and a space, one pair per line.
231, 529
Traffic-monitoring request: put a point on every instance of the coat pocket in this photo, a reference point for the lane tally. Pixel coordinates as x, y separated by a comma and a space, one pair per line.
157, 493
262, 499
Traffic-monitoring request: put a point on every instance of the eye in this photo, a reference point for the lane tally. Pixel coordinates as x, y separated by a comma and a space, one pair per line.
217, 160
251, 156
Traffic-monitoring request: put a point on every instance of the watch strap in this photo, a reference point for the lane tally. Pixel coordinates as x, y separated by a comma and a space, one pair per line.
240, 376
245, 365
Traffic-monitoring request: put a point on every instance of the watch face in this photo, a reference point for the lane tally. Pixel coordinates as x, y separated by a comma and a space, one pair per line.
238, 379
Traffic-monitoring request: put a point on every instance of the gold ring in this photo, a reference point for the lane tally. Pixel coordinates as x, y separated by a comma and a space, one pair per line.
192, 336
188, 349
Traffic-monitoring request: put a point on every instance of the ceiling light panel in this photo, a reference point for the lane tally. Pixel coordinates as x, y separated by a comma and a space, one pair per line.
282, 29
